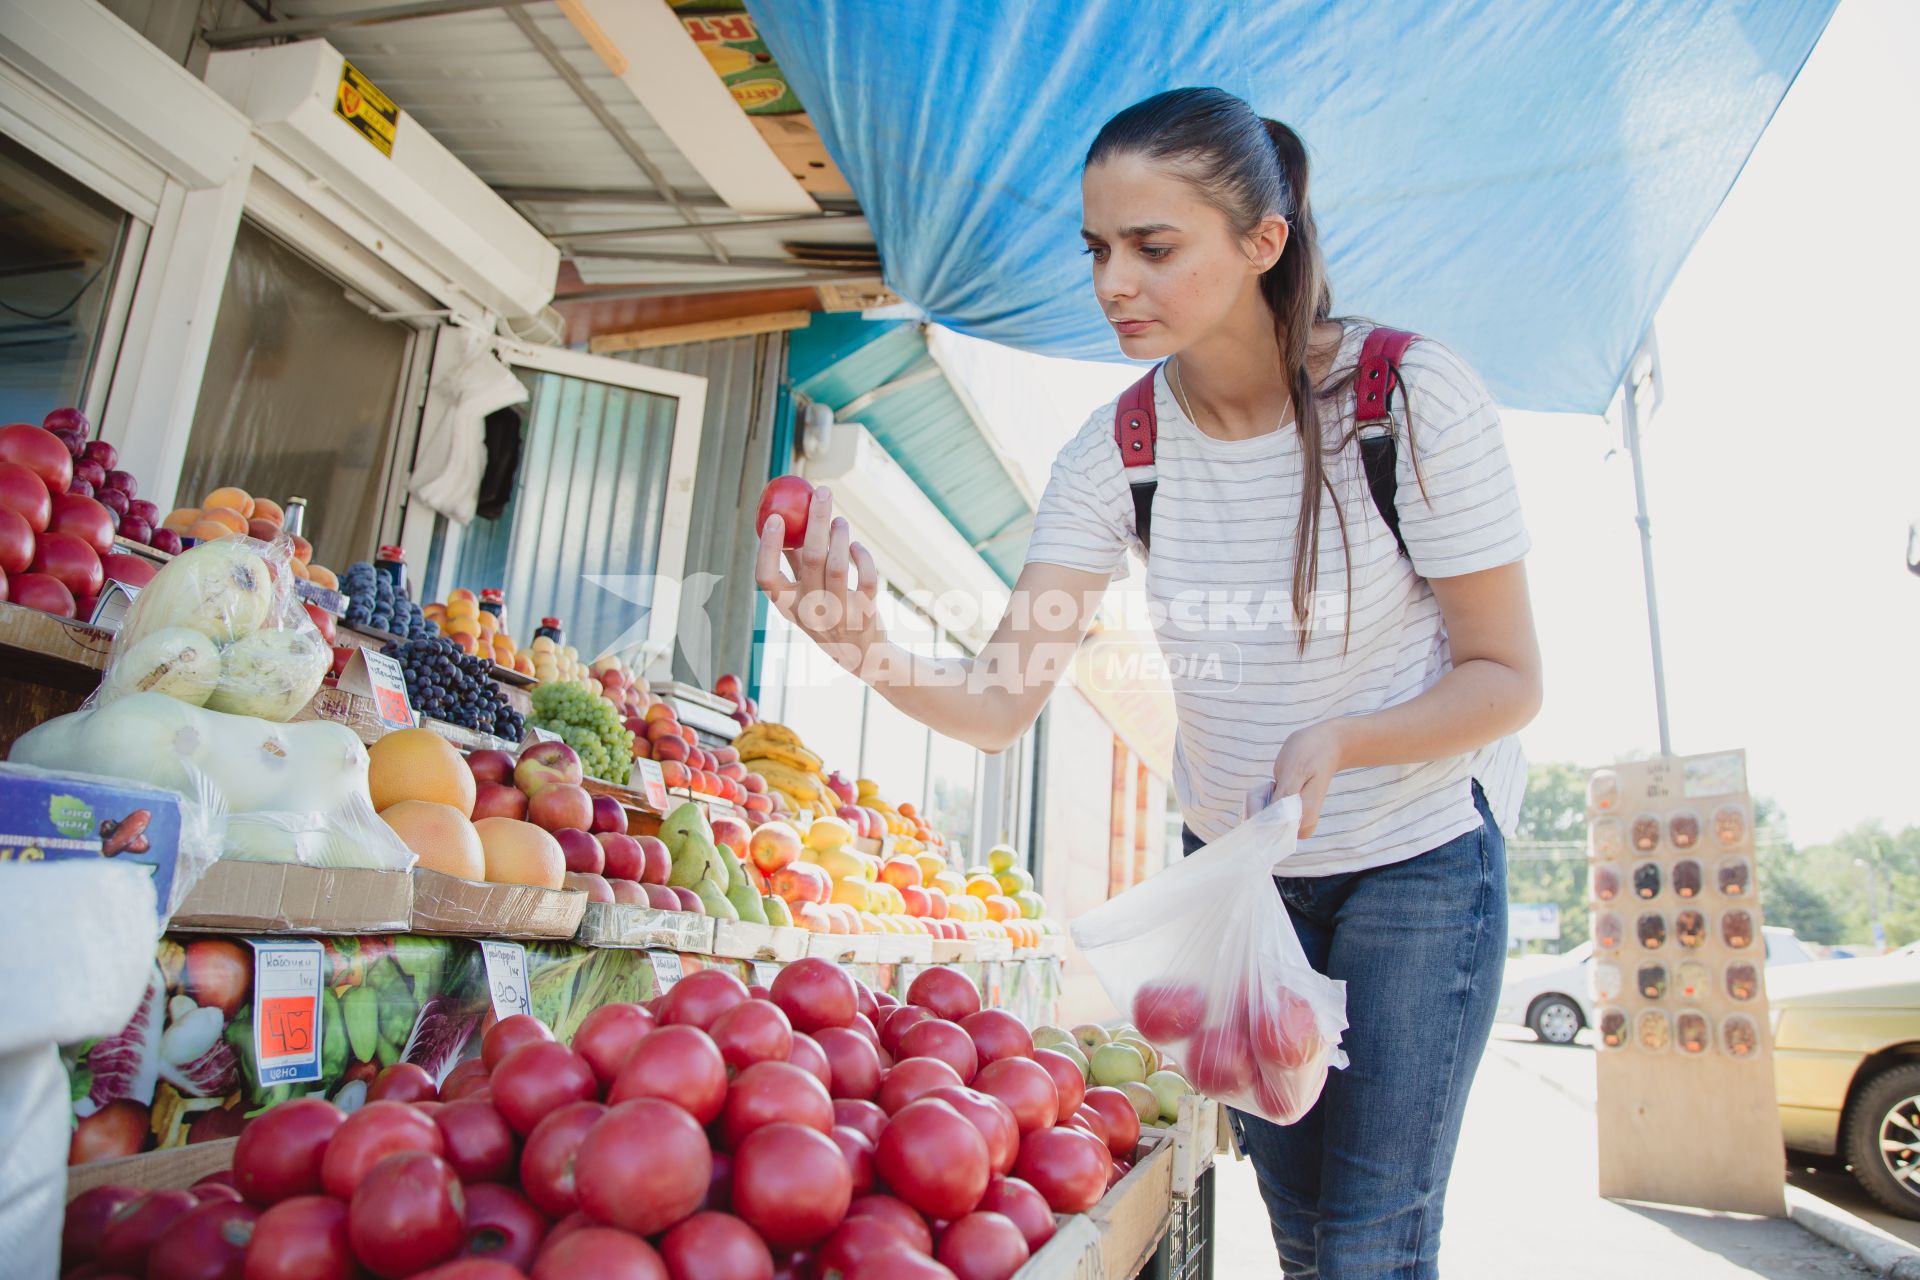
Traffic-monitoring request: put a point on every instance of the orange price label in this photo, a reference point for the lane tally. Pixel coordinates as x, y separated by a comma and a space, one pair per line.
389, 690
286, 1009
653, 784
286, 1025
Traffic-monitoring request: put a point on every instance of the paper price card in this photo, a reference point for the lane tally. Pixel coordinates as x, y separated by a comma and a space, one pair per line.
389, 690
765, 971
286, 1009
666, 971
507, 978
653, 783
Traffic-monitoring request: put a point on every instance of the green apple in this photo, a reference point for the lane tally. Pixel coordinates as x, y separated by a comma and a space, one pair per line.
1090, 1036
1072, 1050
1147, 1053
1169, 1087
1146, 1103
1051, 1037
1115, 1064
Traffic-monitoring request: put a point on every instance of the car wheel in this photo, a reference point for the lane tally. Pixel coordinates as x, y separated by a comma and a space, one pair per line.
1555, 1020
1883, 1139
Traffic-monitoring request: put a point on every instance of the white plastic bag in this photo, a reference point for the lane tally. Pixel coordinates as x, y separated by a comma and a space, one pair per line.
1204, 957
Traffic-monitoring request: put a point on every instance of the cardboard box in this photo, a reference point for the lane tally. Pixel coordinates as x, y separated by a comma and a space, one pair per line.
622, 924
172, 1169
55, 817
350, 709
1133, 1215
745, 940
481, 909
286, 897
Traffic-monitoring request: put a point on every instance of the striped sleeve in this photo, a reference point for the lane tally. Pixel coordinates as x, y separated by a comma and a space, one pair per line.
1085, 519
1459, 509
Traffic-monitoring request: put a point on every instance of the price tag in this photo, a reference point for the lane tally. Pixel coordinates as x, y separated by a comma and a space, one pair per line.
666, 970
110, 609
507, 978
389, 690
765, 971
536, 734
286, 1009
653, 784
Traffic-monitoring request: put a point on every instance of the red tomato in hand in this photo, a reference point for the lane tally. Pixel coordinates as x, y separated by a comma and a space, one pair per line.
790, 498
478, 1142
1026, 1208
1069, 1168
644, 1167
547, 1164
601, 1254
304, 1238
983, 1246
853, 1063
991, 1117
932, 1157
791, 1184
210, 1243
503, 1225
716, 1246
773, 1091
408, 1214
608, 1034
279, 1152
681, 1065
537, 1079
369, 1135
816, 993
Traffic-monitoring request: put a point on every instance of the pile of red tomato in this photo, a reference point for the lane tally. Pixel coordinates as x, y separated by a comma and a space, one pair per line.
817, 1130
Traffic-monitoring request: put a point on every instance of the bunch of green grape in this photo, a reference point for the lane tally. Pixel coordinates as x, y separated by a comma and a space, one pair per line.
589, 724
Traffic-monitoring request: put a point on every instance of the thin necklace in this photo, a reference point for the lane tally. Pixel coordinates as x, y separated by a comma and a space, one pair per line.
1180, 394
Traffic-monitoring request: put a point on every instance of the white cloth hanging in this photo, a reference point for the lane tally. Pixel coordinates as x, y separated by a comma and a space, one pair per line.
469, 382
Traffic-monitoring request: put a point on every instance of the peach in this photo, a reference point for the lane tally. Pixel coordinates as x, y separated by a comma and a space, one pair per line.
629, 892
594, 886
521, 853
656, 860
661, 898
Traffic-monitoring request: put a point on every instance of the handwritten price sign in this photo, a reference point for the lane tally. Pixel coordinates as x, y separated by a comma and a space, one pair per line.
286, 1009
389, 683
507, 978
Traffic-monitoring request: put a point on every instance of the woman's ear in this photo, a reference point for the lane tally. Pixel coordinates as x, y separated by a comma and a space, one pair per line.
1266, 242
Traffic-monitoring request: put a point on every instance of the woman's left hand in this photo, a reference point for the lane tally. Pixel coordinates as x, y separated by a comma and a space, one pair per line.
1305, 767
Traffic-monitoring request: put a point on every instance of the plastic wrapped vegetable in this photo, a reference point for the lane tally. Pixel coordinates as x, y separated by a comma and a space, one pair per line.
220, 627
292, 792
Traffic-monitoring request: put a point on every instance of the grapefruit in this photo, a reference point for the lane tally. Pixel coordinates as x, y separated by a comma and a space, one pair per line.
520, 853
418, 764
440, 836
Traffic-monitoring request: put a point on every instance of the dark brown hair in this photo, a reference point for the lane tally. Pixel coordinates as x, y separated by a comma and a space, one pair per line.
1250, 168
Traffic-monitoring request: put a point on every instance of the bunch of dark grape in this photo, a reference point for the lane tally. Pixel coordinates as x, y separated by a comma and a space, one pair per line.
375, 604
457, 687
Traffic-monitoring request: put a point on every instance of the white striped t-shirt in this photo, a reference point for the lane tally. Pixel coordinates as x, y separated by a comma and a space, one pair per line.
1219, 585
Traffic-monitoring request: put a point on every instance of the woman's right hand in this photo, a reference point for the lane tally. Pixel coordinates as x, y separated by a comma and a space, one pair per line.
843, 620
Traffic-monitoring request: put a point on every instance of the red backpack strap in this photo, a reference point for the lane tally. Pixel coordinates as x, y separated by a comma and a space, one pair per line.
1136, 425
1379, 374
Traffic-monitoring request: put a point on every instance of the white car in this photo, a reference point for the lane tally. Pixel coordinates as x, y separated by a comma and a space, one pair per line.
1552, 997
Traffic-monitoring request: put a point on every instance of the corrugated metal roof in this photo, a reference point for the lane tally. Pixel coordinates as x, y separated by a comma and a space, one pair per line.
924, 424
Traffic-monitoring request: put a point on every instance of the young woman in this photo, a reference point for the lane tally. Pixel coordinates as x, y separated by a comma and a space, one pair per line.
1384, 690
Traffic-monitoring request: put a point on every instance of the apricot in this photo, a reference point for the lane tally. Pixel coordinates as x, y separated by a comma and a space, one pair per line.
207, 530
227, 516
181, 519
265, 530
323, 576
234, 499
302, 549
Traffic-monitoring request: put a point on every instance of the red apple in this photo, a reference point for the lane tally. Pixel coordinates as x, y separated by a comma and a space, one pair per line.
594, 886
728, 686
622, 853
549, 764
492, 800
560, 805
661, 898
790, 498
656, 860
608, 815
491, 766
39, 451
322, 620
23, 491
731, 833
582, 850
841, 786
629, 892
690, 901
773, 845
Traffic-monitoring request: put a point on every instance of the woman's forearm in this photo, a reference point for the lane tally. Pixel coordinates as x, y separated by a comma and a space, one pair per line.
1478, 702
986, 702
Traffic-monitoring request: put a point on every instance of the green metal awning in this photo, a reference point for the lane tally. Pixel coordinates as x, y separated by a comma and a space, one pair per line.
881, 374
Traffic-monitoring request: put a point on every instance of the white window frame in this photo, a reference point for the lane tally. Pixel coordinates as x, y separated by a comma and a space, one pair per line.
689, 393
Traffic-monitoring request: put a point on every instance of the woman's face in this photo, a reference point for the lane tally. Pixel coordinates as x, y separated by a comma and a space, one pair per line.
1168, 268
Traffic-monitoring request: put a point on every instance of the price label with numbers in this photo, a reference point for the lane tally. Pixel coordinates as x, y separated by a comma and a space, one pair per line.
286, 1009
666, 970
653, 783
389, 690
507, 978
765, 971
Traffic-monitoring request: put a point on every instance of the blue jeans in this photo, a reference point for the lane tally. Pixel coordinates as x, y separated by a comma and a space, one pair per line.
1354, 1189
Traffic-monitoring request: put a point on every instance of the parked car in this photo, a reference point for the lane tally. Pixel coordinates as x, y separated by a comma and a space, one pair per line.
1551, 996
1846, 1063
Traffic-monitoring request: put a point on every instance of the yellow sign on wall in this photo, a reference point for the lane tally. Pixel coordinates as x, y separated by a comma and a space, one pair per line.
372, 113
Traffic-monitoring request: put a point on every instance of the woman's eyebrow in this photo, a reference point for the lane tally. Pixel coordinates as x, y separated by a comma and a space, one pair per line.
1134, 233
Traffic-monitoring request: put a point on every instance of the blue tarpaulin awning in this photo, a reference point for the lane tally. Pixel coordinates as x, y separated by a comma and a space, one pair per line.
1518, 178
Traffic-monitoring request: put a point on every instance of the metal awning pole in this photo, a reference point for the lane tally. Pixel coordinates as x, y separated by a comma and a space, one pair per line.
1630, 414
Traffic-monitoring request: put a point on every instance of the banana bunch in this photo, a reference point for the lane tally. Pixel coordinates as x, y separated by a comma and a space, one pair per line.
765, 740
